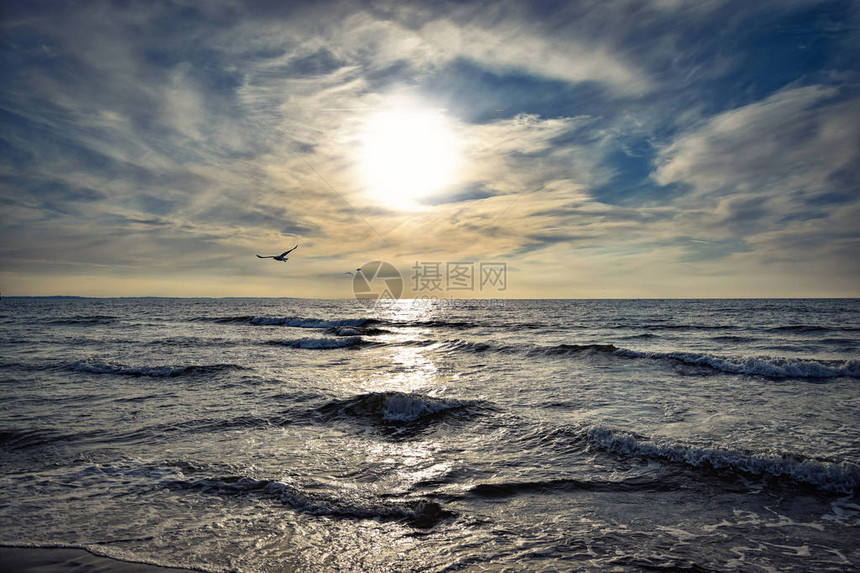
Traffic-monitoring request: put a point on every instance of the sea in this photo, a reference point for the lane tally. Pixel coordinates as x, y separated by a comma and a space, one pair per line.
267, 435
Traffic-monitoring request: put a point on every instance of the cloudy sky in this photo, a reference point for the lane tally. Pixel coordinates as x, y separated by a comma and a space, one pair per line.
647, 148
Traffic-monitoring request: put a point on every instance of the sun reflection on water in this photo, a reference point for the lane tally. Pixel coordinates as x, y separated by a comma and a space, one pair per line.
411, 368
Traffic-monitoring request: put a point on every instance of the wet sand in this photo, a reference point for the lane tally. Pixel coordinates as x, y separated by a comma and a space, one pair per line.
38, 560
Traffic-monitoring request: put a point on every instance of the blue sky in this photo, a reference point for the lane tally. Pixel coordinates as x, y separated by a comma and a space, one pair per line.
602, 149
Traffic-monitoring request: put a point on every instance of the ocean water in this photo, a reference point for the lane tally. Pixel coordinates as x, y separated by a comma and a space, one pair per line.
262, 435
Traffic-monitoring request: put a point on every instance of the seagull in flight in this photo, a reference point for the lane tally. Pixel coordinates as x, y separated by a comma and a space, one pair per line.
358, 270
282, 257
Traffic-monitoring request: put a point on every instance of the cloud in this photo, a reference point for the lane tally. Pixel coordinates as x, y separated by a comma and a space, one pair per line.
760, 164
137, 138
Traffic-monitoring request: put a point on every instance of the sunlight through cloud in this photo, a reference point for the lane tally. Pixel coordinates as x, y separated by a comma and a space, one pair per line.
407, 155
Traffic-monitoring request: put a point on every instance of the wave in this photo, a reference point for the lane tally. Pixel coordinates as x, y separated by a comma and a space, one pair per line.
562, 349
97, 367
665, 326
734, 338
345, 331
420, 513
308, 322
20, 439
241, 319
841, 477
458, 345
320, 343
292, 321
510, 489
769, 367
394, 407
84, 320
804, 328
435, 323
759, 366
299, 322
799, 328
208, 426
467, 325
474, 347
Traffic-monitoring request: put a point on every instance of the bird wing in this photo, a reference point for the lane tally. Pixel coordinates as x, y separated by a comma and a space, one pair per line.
285, 253
262, 257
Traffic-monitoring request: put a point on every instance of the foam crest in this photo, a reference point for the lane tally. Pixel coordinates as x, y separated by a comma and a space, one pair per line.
310, 343
394, 407
410, 407
835, 477
760, 366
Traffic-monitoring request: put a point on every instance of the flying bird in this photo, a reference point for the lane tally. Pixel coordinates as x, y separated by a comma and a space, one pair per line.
282, 257
358, 270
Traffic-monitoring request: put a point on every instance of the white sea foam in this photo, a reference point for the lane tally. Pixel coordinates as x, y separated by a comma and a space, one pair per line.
98, 367
838, 477
761, 366
401, 407
325, 343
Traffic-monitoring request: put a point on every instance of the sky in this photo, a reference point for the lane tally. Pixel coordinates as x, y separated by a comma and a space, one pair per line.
624, 149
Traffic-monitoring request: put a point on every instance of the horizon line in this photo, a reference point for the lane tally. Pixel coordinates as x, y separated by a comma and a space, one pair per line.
61, 296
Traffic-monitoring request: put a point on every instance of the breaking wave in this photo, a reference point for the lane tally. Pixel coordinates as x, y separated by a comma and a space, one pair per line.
841, 477
310, 343
759, 366
394, 407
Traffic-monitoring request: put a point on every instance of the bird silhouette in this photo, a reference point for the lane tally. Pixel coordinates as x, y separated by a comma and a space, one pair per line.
282, 257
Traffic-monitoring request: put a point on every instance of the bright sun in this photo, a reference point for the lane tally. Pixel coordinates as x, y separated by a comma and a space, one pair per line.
408, 155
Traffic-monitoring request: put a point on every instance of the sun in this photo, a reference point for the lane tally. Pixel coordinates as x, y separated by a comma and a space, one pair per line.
407, 156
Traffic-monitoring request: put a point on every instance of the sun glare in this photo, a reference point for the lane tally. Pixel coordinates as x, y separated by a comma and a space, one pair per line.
408, 155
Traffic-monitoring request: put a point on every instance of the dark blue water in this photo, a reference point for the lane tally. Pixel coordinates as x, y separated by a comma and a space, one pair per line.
280, 435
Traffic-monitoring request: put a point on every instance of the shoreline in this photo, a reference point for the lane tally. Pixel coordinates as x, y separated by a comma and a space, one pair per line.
72, 560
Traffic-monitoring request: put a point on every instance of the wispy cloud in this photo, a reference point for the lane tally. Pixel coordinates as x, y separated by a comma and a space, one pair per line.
603, 146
